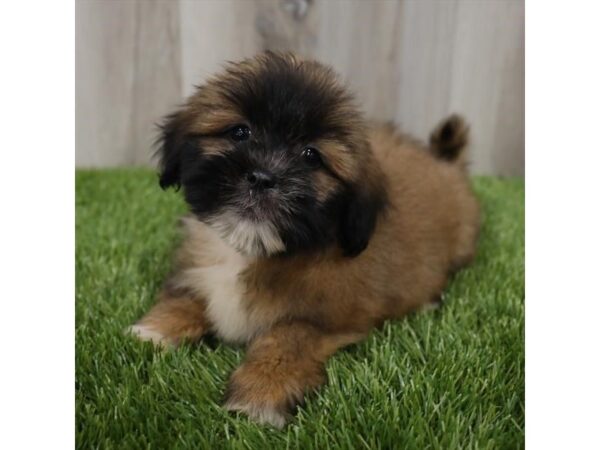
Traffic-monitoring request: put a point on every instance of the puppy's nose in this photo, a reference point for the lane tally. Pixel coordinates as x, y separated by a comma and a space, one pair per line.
261, 179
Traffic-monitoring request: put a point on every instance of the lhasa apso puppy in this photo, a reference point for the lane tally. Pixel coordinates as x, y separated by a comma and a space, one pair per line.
309, 226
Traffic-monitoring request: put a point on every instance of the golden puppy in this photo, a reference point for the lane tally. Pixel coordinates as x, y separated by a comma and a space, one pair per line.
309, 226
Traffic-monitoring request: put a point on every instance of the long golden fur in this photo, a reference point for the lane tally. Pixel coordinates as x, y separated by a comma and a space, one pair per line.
400, 219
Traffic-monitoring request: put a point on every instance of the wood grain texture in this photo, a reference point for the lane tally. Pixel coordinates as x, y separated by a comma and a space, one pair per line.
104, 82
411, 62
158, 83
128, 73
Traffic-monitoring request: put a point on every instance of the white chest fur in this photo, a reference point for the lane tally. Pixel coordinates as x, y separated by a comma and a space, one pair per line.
224, 301
221, 287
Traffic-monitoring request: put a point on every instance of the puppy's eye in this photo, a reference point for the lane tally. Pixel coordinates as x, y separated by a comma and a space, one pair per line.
311, 156
240, 133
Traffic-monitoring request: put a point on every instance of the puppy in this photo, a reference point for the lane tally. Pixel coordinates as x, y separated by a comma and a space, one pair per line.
309, 226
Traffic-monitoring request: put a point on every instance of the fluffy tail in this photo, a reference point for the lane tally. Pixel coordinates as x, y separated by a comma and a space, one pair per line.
448, 140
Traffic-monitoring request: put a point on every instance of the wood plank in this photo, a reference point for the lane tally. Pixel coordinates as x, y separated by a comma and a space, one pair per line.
104, 50
158, 76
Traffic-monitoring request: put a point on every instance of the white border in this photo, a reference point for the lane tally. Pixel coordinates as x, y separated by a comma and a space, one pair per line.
563, 224
37, 224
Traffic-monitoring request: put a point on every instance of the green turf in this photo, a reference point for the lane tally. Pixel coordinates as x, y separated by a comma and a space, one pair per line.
442, 380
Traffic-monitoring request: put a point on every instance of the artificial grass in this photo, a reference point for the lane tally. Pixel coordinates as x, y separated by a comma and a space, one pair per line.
442, 380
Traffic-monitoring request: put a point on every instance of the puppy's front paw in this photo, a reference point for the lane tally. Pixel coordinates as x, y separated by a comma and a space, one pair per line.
260, 412
146, 333
171, 321
261, 398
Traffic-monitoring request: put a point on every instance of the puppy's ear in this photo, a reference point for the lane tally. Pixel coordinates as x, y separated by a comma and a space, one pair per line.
170, 150
362, 207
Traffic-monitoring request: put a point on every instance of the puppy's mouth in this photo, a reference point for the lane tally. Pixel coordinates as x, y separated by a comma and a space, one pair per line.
250, 227
259, 206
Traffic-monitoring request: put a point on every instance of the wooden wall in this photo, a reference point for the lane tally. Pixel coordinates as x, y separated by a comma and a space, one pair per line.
410, 61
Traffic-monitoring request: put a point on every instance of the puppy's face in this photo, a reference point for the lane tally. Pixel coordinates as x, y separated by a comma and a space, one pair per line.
273, 155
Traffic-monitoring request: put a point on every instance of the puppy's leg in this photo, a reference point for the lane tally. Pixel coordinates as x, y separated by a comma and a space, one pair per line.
176, 317
280, 367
